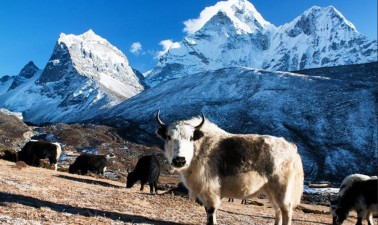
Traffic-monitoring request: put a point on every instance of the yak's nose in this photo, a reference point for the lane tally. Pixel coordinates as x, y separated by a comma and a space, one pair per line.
179, 161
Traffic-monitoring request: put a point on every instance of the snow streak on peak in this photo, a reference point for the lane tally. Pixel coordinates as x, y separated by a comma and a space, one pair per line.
242, 13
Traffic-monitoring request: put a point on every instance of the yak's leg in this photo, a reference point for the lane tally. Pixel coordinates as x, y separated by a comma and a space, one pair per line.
102, 172
278, 215
281, 197
287, 214
277, 209
211, 203
84, 171
53, 163
211, 216
156, 186
361, 214
151, 184
359, 221
369, 218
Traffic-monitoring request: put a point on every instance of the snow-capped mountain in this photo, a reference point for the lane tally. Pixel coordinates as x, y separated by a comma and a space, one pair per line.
8, 83
85, 74
233, 33
319, 37
330, 116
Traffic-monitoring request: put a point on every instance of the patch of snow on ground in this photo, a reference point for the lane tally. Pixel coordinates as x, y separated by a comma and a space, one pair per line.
309, 190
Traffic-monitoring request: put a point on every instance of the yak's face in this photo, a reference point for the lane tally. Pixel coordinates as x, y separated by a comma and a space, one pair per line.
178, 147
179, 142
131, 180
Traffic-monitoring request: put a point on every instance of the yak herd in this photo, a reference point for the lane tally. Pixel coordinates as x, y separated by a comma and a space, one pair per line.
214, 164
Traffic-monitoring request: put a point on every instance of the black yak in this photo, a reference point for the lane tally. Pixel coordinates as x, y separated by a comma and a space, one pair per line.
146, 170
34, 151
89, 162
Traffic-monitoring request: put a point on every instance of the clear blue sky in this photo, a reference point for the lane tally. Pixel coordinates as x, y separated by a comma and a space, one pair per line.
29, 29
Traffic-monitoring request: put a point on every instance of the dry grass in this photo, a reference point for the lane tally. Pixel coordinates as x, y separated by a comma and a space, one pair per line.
30, 195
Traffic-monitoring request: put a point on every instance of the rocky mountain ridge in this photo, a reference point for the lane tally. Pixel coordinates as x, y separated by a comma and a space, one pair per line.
237, 35
84, 75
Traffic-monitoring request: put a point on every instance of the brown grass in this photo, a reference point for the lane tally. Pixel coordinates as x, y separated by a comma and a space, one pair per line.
33, 195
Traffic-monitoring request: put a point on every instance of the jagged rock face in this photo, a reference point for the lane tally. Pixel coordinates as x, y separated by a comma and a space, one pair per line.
58, 65
85, 74
319, 37
90, 57
26, 73
331, 118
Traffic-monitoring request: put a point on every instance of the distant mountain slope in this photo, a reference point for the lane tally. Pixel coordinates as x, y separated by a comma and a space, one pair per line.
237, 35
13, 131
332, 118
85, 74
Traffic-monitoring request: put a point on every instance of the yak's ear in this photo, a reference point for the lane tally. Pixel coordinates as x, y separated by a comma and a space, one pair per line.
197, 135
162, 132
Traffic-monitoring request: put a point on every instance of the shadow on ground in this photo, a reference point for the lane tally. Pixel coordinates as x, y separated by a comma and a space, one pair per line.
87, 212
89, 181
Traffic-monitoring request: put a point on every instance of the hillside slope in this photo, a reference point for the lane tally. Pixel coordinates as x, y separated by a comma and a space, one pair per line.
36, 196
331, 117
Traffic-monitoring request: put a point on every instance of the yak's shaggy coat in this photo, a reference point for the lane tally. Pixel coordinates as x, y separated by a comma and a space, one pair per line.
214, 164
35, 150
355, 194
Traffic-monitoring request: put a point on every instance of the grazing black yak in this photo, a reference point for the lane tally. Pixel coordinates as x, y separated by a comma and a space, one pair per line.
34, 151
89, 162
357, 193
146, 170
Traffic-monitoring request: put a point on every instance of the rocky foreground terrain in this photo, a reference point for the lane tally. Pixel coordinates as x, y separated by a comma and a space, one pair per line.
30, 195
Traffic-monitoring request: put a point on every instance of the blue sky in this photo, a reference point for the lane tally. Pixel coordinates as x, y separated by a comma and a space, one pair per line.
29, 29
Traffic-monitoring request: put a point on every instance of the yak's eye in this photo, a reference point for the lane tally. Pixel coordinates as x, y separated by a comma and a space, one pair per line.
168, 137
191, 138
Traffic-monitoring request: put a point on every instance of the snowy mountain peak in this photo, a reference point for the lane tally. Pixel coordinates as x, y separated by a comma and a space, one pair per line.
91, 33
95, 58
232, 33
323, 18
332, 12
242, 13
84, 75
26, 73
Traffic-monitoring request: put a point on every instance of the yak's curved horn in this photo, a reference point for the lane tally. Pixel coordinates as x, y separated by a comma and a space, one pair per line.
158, 119
202, 122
